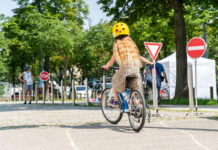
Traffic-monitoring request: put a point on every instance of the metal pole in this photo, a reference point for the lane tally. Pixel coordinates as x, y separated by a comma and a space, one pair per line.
14, 94
95, 92
72, 94
43, 92
87, 93
10, 91
19, 96
52, 92
190, 86
104, 82
196, 99
62, 92
58, 87
154, 88
36, 93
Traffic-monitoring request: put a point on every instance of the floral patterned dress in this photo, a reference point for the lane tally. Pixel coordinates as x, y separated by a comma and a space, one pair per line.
127, 56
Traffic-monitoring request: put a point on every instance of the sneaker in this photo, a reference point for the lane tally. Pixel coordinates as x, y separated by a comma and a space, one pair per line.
113, 104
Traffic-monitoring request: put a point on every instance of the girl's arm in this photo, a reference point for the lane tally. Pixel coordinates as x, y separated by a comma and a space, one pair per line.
143, 59
109, 63
21, 77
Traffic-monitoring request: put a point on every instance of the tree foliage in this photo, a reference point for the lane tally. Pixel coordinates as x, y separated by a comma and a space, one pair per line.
167, 14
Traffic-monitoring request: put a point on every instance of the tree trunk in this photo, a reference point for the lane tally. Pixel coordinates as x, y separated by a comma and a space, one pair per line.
46, 69
38, 5
65, 78
22, 69
181, 56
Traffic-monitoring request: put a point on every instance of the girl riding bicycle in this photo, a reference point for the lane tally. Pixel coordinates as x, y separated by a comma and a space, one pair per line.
126, 54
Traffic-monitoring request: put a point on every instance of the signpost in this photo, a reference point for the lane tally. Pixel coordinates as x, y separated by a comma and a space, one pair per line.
196, 48
94, 83
44, 76
154, 49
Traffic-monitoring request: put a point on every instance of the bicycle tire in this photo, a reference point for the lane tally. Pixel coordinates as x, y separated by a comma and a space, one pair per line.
132, 115
103, 102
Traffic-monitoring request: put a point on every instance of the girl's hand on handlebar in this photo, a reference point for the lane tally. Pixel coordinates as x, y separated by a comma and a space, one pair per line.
105, 67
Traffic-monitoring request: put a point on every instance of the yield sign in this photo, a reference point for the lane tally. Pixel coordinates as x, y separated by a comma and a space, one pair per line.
153, 48
196, 47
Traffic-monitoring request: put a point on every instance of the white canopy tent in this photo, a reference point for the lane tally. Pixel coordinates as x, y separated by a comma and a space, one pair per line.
206, 75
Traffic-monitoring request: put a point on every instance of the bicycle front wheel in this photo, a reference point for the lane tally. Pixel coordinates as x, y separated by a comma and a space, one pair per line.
137, 112
111, 114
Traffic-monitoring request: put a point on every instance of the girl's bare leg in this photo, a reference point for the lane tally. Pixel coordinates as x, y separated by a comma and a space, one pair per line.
115, 94
25, 93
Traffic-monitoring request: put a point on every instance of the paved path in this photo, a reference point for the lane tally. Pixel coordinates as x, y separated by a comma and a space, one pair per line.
63, 127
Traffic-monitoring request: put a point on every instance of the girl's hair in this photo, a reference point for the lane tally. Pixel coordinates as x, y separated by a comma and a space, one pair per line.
126, 52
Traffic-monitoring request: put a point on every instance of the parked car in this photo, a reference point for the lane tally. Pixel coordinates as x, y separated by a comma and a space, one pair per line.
81, 90
99, 87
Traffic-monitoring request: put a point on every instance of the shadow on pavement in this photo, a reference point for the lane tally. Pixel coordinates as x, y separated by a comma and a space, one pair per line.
122, 129
117, 128
41, 107
211, 118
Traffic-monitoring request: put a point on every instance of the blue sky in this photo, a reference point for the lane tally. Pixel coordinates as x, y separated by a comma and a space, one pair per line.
96, 15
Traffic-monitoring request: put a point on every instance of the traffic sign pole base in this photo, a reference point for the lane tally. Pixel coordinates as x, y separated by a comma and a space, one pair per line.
192, 114
157, 114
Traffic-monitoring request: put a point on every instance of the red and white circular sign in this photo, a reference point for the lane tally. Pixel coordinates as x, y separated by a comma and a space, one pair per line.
196, 47
44, 76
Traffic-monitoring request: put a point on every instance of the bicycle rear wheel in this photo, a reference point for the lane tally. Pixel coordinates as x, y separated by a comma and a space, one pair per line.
112, 115
137, 112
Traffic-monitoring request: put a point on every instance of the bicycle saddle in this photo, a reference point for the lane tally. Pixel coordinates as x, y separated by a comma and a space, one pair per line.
130, 77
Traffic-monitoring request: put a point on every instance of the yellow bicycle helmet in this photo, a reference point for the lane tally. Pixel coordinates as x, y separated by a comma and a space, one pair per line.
120, 29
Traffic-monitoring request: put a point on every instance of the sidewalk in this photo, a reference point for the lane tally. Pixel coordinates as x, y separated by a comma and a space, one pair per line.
186, 107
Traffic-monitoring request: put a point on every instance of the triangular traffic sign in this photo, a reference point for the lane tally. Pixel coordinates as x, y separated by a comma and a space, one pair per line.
153, 48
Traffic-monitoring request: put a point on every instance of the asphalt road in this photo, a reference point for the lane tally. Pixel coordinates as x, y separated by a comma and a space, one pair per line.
63, 127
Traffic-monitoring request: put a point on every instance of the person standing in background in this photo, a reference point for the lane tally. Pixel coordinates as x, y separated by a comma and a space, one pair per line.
159, 78
28, 79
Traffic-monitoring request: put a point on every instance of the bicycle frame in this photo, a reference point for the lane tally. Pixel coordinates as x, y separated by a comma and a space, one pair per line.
123, 101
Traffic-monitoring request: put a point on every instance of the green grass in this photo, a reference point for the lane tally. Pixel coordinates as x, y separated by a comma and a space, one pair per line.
186, 102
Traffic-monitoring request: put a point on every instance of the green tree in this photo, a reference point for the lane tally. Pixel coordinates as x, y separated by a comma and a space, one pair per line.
93, 48
62, 39
131, 11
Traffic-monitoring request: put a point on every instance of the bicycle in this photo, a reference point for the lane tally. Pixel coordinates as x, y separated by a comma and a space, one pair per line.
147, 90
126, 104
164, 93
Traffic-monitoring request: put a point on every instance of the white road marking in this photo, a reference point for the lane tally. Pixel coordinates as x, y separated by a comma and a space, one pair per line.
71, 141
192, 48
192, 137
